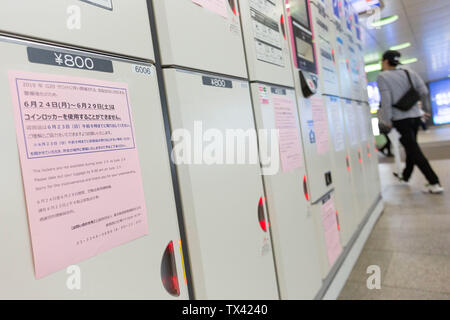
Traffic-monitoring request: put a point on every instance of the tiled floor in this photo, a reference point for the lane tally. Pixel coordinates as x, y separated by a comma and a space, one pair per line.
411, 240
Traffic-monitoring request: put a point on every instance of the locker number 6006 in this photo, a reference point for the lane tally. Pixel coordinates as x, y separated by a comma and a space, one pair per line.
142, 70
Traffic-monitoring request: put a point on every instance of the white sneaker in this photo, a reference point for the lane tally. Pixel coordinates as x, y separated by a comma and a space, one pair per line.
433, 188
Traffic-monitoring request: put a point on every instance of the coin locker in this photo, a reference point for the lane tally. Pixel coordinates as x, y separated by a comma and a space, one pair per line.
291, 222
222, 198
92, 24
266, 42
201, 35
149, 267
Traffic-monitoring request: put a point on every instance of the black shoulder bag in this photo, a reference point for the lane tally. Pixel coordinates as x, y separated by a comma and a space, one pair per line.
410, 98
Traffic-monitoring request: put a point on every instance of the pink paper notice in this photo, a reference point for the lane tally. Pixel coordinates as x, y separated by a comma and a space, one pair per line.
320, 118
330, 227
216, 6
289, 140
80, 167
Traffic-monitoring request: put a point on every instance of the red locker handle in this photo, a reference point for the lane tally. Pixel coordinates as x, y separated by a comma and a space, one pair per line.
283, 29
347, 161
233, 7
169, 274
261, 217
337, 221
305, 188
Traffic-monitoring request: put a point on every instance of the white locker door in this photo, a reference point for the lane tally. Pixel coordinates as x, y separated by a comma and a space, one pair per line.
104, 25
223, 200
328, 237
355, 158
328, 75
316, 143
129, 271
202, 35
371, 157
344, 190
366, 138
291, 223
266, 44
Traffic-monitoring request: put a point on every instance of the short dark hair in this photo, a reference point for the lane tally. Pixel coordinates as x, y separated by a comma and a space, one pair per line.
393, 57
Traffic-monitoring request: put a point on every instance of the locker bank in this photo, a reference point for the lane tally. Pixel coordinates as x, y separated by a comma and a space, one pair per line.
186, 149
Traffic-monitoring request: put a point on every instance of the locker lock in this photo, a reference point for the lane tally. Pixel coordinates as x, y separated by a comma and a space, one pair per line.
347, 162
369, 154
359, 156
328, 178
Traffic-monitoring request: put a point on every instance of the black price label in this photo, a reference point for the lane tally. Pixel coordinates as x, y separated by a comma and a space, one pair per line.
217, 82
68, 60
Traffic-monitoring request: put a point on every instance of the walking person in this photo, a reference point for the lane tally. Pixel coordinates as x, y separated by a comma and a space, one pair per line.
400, 92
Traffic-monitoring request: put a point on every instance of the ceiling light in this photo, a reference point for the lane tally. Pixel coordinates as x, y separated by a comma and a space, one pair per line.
384, 21
401, 46
408, 61
371, 57
372, 67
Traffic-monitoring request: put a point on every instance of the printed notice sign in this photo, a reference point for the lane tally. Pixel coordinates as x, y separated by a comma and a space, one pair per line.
216, 6
330, 228
289, 140
267, 33
80, 167
351, 123
319, 115
336, 122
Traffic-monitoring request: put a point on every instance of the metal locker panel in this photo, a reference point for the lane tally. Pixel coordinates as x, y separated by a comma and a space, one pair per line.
129, 271
342, 174
266, 44
318, 165
195, 37
355, 157
327, 64
355, 75
230, 253
343, 63
292, 226
328, 253
104, 25
364, 95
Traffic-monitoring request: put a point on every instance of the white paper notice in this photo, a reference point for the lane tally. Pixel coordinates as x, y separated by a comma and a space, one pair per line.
336, 123
289, 140
80, 167
330, 228
216, 6
319, 115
